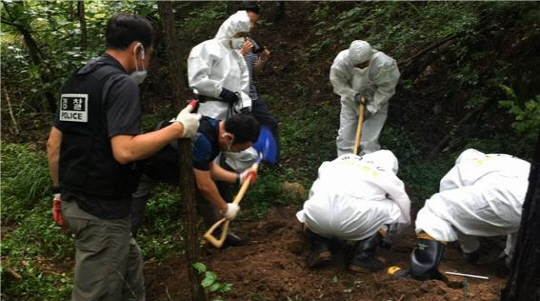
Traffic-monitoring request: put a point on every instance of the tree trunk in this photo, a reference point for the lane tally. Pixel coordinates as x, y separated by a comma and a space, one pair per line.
71, 11
174, 57
187, 179
35, 54
82, 21
524, 280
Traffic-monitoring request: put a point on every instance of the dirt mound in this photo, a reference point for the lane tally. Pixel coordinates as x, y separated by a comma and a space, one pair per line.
272, 267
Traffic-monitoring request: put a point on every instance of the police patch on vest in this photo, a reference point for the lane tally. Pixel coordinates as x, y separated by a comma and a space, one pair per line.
74, 107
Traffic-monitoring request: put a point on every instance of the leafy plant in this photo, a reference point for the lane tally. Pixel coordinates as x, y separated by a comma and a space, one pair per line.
210, 281
526, 115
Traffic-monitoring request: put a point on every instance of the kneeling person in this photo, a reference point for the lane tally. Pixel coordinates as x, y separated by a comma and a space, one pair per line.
358, 199
481, 195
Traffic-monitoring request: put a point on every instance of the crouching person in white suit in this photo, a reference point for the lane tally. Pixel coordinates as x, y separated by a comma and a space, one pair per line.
356, 199
481, 195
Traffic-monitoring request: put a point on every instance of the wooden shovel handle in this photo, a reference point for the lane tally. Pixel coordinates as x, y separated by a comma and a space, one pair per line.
212, 239
360, 126
208, 235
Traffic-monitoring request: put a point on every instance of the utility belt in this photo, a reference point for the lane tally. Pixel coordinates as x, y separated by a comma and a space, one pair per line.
203, 99
231, 106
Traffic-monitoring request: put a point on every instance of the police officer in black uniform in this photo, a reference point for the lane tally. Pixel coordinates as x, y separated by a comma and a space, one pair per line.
91, 149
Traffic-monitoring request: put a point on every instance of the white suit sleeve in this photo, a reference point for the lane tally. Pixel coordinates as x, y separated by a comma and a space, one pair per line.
200, 62
386, 87
341, 81
244, 92
451, 180
396, 192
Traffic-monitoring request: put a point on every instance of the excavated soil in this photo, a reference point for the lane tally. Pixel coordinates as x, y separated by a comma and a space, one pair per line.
272, 267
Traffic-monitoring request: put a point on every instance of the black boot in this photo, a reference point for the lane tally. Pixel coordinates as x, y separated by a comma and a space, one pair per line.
425, 259
320, 252
232, 240
471, 258
363, 255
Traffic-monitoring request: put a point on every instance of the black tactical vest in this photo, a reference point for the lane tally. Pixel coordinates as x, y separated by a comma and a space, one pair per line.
87, 164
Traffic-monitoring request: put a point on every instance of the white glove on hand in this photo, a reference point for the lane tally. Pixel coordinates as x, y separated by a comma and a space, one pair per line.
189, 120
244, 175
372, 108
232, 211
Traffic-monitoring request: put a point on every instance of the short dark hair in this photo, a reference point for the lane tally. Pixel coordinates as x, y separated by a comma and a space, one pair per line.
250, 6
245, 128
123, 29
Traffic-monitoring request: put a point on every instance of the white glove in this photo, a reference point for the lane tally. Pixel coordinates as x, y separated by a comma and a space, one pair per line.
244, 175
372, 108
189, 120
232, 211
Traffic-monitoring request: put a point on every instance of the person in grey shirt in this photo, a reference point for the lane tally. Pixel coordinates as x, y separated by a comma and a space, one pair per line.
255, 63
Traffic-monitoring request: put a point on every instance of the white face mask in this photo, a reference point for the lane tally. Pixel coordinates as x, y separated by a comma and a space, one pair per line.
139, 75
237, 43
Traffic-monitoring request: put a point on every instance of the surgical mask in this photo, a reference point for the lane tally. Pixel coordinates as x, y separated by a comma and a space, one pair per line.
139, 75
237, 43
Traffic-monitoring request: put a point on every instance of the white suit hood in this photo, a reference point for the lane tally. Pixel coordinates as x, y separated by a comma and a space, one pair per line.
385, 159
360, 51
469, 154
239, 22
214, 66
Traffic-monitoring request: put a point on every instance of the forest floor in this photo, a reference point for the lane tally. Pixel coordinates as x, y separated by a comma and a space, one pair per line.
272, 267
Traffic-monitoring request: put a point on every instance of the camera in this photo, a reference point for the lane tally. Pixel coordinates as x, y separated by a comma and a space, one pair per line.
256, 48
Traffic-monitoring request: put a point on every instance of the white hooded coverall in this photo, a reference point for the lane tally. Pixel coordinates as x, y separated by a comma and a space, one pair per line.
376, 83
354, 197
214, 65
481, 195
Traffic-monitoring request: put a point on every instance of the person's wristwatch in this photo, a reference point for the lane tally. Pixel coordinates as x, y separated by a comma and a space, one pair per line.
55, 189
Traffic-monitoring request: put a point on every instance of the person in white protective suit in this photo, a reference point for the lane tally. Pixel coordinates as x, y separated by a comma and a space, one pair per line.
355, 198
219, 74
481, 195
357, 72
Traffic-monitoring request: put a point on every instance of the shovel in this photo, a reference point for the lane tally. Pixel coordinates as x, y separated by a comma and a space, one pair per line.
268, 146
360, 127
208, 235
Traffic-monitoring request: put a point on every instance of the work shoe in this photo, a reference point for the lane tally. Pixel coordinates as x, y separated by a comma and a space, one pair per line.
502, 267
426, 257
363, 260
471, 258
232, 240
320, 254
318, 257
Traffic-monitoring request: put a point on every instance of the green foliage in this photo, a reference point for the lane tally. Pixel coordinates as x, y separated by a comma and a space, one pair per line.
392, 27
210, 281
527, 115
421, 175
33, 246
160, 235
204, 18
25, 179
57, 32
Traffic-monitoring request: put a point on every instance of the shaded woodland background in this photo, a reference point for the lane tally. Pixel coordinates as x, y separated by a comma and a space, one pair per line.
470, 78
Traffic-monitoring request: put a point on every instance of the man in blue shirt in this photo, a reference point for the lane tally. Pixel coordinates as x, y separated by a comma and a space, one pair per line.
237, 133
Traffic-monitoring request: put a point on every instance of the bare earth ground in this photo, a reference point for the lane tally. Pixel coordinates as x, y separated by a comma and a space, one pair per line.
272, 267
